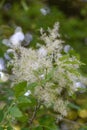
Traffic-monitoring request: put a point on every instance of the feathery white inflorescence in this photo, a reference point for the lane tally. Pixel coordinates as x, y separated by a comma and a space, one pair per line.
54, 72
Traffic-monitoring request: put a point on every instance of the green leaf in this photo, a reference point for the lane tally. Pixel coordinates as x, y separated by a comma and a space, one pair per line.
31, 86
73, 96
23, 99
73, 71
15, 112
64, 57
73, 106
1, 115
20, 88
48, 122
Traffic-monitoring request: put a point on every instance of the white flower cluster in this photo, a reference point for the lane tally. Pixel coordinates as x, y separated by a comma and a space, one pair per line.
56, 73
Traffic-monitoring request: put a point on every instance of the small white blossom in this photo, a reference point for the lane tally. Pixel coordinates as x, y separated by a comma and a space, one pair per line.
79, 85
28, 38
2, 64
4, 77
17, 38
42, 76
42, 51
6, 56
67, 48
45, 10
27, 93
8, 52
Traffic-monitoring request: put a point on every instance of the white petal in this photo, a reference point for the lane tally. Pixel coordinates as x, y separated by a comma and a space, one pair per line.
45, 10
42, 51
6, 56
28, 38
2, 64
17, 38
79, 85
4, 77
27, 93
67, 48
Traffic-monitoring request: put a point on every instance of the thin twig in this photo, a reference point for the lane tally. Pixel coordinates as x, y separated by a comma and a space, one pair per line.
74, 122
34, 113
